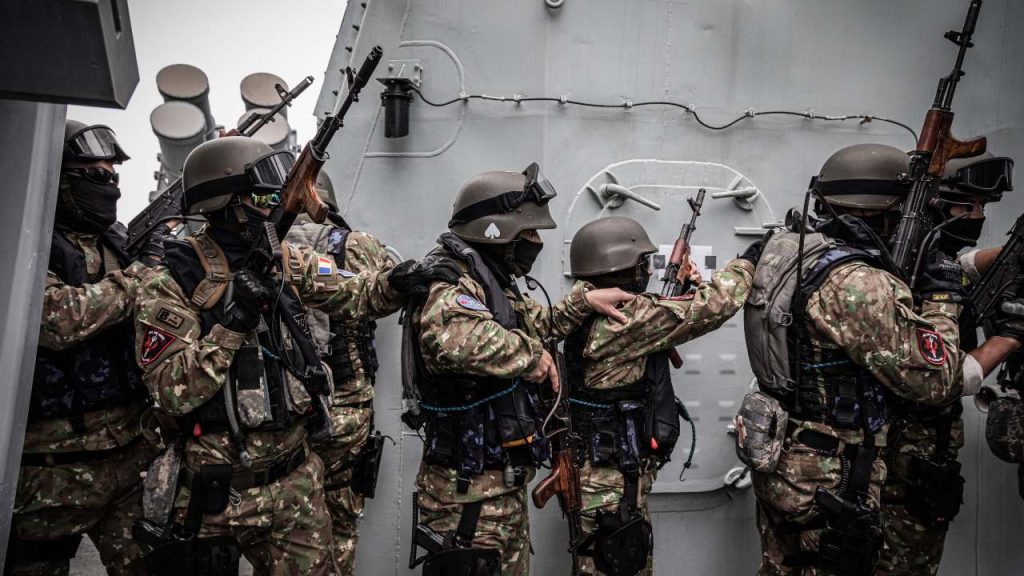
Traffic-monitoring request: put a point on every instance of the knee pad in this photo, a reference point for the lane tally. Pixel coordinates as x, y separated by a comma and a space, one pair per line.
463, 562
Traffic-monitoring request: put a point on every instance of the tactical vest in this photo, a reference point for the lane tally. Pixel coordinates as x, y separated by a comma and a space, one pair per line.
813, 383
627, 423
266, 370
334, 336
473, 423
95, 374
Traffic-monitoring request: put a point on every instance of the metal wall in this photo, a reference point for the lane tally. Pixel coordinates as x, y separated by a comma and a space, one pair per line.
723, 57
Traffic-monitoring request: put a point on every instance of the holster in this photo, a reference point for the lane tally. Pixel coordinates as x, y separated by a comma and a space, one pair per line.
936, 493
852, 539
463, 562
621, 548
451, 553
366, 468
216, 556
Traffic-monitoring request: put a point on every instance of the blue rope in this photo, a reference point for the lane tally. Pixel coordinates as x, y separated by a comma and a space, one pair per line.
432, 408
590, 404
826, 365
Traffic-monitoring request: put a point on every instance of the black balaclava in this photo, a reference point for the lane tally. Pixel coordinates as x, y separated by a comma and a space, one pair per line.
513, 259
235, 227
959, 234
86, 206
633, 279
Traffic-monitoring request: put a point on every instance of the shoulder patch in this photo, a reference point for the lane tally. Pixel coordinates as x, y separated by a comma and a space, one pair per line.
470, 303
324, 266
153, 344
170, 318
931, 346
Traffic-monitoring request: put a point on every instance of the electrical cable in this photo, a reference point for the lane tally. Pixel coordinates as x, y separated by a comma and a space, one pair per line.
809, 115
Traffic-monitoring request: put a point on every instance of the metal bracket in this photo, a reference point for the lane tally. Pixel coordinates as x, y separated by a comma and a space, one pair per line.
743, 197
410, 70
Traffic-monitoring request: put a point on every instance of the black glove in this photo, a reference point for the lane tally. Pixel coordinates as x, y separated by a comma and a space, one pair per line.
1010, 319
414, 278
941, 280
247, 298
753, 252
151, 252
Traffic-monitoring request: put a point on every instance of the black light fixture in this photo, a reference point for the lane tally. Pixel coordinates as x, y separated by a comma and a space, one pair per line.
395, 98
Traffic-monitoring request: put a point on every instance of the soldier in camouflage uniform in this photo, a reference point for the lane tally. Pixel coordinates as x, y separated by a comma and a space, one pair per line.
479, 361
924, 489
83, 447
618, 378
228, 355
349, 352
854, 342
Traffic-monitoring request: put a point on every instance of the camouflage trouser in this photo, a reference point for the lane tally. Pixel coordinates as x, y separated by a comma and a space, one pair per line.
100, 499
281, 528
351, 429
503, 525
911, 547
786, 497
602, 489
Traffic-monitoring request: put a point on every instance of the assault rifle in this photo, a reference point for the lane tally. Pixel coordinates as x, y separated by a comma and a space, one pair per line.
296, 196
672, 286
935, 147
564, 479
167, 206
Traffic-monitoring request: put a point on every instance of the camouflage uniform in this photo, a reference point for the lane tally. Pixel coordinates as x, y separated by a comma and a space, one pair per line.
616, 355
282, 527
352, 403
911, 547
868, 314
99, 498
465, 339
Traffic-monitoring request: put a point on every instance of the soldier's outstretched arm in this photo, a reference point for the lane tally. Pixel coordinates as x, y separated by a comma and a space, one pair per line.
74, 313
655, 324
364, 252
340, 293
869, 313
459, 335
181, 368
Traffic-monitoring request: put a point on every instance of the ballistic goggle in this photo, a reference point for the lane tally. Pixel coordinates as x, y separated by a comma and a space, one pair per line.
263, 178
536, 189
94, 143
991, 176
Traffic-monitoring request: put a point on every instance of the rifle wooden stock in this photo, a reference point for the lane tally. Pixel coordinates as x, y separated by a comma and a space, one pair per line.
299, 192
938, 141
562, 482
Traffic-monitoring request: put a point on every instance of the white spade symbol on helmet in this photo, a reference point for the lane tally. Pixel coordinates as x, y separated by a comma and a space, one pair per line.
492, 231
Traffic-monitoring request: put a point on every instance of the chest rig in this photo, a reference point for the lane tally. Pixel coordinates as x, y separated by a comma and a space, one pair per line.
95, 374
265, 390
473, 423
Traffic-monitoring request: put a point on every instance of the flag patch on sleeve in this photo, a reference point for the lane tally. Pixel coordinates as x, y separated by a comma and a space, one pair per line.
324, 266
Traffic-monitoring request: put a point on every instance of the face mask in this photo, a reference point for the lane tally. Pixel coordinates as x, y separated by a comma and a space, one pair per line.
235, 227
86, 206
870, 232
524, 254
960, 234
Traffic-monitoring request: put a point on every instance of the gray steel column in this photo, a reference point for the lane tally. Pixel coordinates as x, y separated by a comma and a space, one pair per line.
30, 139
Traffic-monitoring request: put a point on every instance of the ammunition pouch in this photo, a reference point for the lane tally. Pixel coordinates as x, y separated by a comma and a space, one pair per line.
1004, 429
216, 556
621, 548
41, 550
935, 495
366, 468
852, 538
761, 425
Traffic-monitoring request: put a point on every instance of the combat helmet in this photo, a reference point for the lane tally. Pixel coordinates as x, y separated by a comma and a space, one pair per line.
85, 143
608, 245
218, 170
865, 176
986, 175
494, 207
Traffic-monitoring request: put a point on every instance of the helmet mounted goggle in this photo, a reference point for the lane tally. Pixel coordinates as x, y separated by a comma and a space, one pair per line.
537, 189
93, 143
990, 177
263, 178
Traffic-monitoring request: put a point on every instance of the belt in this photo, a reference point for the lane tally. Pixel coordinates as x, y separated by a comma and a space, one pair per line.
257, 478
822, 443
51, 459
358, 405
